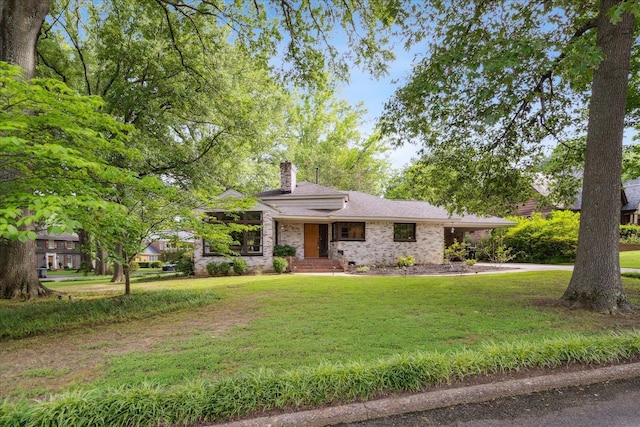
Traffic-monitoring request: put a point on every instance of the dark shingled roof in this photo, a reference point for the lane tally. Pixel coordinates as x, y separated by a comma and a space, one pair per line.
365, 206
303, 189
43, 235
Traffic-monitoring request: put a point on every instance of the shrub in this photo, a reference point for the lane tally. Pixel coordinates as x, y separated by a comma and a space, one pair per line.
223, 268
550, 239
280, 264
284, 251
143, 264
184, 265
240, 266
156, 264
213, 268
406, 261
630, 234
470, 262
457, 251
362, 269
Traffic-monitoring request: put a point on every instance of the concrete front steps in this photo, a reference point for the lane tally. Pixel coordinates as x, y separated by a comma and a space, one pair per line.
315, 265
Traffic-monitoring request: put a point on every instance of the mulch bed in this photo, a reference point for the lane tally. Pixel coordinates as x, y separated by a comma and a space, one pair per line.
426, 270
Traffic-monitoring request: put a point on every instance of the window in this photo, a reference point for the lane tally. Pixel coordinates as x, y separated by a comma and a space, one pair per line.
70, 261
348, 231
70, 245
249, 242
51, 244
404, 232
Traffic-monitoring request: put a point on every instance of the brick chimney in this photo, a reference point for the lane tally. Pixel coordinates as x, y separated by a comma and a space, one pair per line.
287, 177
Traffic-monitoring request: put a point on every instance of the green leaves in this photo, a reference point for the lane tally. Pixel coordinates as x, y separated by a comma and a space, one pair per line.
500, 83
53, 153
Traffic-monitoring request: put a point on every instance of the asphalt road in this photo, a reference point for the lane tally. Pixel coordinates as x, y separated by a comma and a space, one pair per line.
610, 404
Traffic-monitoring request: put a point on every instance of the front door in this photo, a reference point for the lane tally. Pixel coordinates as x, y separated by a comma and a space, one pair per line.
316, 240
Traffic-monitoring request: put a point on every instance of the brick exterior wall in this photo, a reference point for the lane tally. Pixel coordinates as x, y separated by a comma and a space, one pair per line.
380, 249
293, 235
255, 263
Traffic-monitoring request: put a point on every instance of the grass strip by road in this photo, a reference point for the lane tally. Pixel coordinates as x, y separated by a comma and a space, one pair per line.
328, 383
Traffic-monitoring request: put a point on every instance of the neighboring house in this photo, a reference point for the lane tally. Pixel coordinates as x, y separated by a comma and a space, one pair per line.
629, 202
629, 198
349, 226
159, 245
540, 190
152, 252
54, 251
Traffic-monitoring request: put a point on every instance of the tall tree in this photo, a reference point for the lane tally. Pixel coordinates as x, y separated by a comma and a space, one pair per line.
324, 140
53, 161
596, 282
20, 23
197, 101
258, 27
504, 80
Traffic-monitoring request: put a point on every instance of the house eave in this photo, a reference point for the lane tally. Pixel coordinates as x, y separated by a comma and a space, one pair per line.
456, 222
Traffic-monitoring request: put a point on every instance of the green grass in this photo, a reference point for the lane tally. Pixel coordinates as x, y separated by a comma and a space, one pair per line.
60, 315
244, 394
308, 335
62, 272
630, 259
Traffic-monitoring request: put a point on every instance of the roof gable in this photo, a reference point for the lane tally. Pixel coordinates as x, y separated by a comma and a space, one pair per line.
260, 206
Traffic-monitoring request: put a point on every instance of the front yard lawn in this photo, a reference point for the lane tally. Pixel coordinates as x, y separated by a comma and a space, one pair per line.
630, 259
243, 325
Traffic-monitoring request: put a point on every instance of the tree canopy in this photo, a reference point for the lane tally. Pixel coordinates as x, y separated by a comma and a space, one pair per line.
502, 83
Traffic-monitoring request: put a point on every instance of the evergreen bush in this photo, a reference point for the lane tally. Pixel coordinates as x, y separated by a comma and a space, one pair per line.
223, 268
213, 268
284, 251
280, 264
240, 266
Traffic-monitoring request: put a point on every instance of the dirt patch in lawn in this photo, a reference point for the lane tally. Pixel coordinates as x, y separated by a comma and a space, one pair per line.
49, 363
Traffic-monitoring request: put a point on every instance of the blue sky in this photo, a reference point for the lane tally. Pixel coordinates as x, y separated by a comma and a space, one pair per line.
374, 93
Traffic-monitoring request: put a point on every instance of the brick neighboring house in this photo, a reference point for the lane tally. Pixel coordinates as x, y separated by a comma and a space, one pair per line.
55, 251
347, 226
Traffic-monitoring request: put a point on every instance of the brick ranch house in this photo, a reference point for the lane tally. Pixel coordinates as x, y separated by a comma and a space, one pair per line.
337, 228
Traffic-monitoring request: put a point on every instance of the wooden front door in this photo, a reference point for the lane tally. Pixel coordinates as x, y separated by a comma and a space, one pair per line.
316, 240
311, 241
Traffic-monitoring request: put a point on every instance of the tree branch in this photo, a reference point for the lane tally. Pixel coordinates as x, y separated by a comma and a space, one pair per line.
538, 90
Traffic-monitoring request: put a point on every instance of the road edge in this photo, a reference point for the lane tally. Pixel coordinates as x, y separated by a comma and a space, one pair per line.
380, 408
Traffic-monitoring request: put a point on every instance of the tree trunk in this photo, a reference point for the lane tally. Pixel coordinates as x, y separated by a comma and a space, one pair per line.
19, 277
127, 279
596, 283
102, 266
118, 271
20, 23
86, 260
